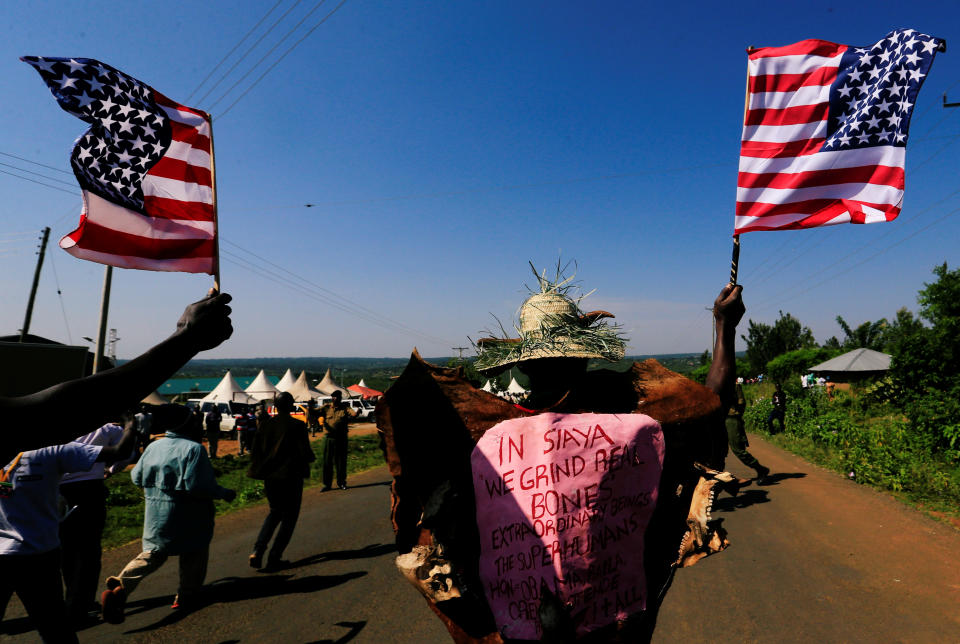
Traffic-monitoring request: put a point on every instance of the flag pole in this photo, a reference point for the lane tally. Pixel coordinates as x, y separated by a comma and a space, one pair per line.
735, 260
216, 219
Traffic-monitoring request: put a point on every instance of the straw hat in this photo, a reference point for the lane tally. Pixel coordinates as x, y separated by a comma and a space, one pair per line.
552, 326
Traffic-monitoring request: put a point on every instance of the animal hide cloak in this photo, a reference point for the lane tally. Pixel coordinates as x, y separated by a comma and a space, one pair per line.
431, 419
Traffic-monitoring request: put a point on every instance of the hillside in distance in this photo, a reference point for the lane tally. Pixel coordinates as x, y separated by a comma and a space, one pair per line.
378, 372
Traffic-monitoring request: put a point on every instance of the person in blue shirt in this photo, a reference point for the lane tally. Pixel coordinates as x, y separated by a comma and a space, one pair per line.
179, 487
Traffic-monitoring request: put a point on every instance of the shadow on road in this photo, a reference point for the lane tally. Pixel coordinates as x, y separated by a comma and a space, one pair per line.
745, 499
748, 497
357, 487
776, 477
233, 589
373, 550
355, 628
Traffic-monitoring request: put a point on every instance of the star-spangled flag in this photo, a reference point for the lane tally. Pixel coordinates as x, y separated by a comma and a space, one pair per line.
825, 131
145, 168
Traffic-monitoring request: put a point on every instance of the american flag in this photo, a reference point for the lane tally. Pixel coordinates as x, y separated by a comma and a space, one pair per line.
145, 167
825, 131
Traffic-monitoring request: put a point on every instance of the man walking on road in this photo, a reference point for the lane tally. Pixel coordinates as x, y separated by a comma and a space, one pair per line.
737, 437
336, 417
179, 484
281, 457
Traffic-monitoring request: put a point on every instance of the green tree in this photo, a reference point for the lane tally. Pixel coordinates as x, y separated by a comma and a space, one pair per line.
765, 342
869, 335
926, 357
926, 362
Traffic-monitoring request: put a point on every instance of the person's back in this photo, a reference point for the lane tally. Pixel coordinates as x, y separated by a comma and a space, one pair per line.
281, 456
281, 449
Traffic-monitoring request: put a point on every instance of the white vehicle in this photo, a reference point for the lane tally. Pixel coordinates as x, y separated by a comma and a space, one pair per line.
229, 413
364, 410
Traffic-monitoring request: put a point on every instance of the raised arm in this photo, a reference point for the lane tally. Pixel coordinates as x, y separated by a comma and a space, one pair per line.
728, 308
90, 402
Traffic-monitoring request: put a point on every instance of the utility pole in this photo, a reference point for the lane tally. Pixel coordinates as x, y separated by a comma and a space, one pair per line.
36, 281
460, 350
104, 309
112, 346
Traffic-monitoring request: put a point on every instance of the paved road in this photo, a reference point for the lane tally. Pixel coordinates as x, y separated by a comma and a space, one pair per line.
813, 558
817, 558
344, 587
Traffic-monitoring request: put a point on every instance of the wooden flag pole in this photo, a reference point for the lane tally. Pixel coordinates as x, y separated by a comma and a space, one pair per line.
216, 218
735, 261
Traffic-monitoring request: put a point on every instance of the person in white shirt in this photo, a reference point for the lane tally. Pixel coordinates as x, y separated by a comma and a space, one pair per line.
29, 529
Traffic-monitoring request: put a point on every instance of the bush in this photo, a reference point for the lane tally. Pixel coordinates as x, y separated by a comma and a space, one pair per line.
786, 367
875, 444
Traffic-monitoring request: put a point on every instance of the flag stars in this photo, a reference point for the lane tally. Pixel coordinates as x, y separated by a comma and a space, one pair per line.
67, 81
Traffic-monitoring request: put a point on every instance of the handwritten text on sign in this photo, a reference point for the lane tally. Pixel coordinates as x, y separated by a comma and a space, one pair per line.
563, 501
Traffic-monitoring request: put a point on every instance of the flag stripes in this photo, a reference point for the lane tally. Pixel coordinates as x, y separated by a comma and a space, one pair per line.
145, 166
825, 131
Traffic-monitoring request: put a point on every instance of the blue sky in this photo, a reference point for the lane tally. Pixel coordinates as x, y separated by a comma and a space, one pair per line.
444, 145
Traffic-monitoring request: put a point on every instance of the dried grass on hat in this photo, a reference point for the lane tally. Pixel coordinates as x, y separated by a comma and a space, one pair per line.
552, 325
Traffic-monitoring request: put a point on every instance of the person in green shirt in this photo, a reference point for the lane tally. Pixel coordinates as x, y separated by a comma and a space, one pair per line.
336, 417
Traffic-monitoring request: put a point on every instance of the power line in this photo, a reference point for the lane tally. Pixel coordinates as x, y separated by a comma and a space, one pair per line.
229, 53
345, 305
42, 176
42, 165
249, 49
71, 192
63, 309
272, 276
284, 55
875, 255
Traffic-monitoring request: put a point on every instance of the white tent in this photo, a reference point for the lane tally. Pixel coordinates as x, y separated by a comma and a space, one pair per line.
515, 388
327, 386
228, 390
286, 382
362, 384
261, 388
301, 389
155, 399
487, 387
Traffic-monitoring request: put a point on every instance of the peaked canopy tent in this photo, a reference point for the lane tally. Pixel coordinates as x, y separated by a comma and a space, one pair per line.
229, 390
487, 386
515, 388
261, 388
286, 381
155, 399
327, 386
854, 365
364, 391
301, 389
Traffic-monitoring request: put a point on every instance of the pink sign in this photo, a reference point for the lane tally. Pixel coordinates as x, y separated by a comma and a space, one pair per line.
563, 502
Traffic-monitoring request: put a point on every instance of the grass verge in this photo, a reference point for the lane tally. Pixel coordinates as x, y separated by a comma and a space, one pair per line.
869, 444
125, 500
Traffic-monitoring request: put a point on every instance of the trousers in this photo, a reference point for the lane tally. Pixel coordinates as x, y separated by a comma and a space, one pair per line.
193, 571
80, 536
334, 454
737, 440
36, 580
284, 497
